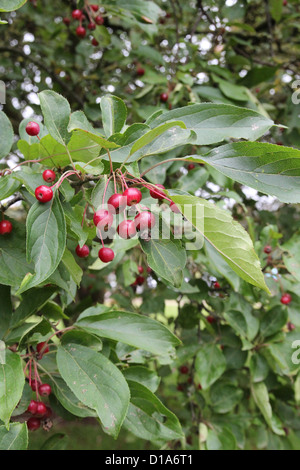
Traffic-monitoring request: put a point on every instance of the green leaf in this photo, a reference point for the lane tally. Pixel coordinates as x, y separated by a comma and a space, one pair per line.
259, 368
223, 440
11, 5
16, 438
79, 123
276, 9
147, 138
12, 382
213, 123
96, 382
13, 264
8, 185
273, 321
261, 398
56, 111
271, 169
148, 418
131, 328
227, 236
143, 376
114, 114
46, 240
6, 133
224, 397
71, 265
209, 365
5, 309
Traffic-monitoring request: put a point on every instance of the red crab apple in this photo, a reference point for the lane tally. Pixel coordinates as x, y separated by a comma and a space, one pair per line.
144, 220
286, 299
116, 203
155, 193
41, 349
45, 390
126, 229
267, 249
5, 227
164, 97
106, 254
43, 193
49, 176
82, 252
33, 424
32, 128
76, 14
133, 196
80, 31
103, 219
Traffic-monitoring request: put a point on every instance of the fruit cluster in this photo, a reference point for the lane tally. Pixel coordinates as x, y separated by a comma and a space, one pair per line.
89, 15
37, 408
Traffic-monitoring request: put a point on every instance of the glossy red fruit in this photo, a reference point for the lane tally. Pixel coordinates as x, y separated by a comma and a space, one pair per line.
217, 285
95, 7
5, 227
45, 390
106, 254
133, 196
91, 26
174, 208
32, 128
76, 14
155, 193
66, 21
191, 166
94, 42
82, 252
140, 71
267, 249
126, 229
32, 407
286, 299
49, 176
116, 203
140, 269
290, 326
144, 221
103, 219
164, 97
43, 193
210, 319
99, 20
40, 348
41, 409
80, 31
35, 385
149, 270
184, 369
33, 424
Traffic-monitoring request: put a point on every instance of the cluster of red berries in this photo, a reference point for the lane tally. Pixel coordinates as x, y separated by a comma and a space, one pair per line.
38, 408
184, 370
91, 15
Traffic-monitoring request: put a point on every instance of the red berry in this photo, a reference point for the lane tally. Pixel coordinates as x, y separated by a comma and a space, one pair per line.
66, 21
91, 26
76, 14
217, 285
140, 269
144, 220
80, 31
164, 97
41, 408
174, 208
210, 319
267, 249
33, 424
191, 166
117, 202
82, 252
184, 369
286, 299
126, 229
35, 385
48, 413
103, 219
94, 7
99, 20
290, 326
106, 254
149, 270
45, 390
32, 407
5, 227
157, 194
133, 196
49, 176
139, 281
32, 128
140, 71
40, 348
43, 193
